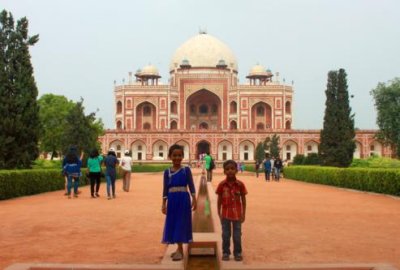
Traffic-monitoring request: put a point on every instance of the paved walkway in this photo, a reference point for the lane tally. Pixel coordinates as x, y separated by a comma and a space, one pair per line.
287, 222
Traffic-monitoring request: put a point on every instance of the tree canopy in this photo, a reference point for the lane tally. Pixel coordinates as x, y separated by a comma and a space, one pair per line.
337, 136
387, 103
53, 112
81, 130
19, 126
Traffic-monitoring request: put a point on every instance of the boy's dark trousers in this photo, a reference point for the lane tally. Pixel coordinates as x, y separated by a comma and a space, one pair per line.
209, 175
227, 227
267, 174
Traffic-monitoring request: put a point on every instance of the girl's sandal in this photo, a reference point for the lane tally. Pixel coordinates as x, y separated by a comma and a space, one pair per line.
177, 256
173, 253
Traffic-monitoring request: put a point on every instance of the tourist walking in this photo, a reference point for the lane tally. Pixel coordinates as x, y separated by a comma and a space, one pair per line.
94, 169
126, 166
257, 167
231, 210
272, 168
111, 162
209, 166
278, 167
176, 204
267, 167
72, 169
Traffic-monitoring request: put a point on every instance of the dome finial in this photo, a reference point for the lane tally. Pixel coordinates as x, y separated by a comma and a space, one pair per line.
202, 31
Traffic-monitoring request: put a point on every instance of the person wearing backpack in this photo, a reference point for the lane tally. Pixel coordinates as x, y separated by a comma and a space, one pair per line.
210, 165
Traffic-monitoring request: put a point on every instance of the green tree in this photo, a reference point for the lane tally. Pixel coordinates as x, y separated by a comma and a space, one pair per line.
82, 130
266, 145
19, 126
337, 136
260, 152
387, 103
274, 146
53, 111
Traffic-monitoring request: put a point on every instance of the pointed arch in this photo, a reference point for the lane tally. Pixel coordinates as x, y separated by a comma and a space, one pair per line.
139, 150
186, 149
174, 107
160, 150
225, 150
233, 125
261, 112
173, 125
119, 107
246, 150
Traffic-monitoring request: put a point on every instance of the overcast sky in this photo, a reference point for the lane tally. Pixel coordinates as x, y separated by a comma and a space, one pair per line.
85, 45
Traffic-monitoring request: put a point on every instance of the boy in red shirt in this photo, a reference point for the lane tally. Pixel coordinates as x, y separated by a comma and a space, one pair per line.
231, 210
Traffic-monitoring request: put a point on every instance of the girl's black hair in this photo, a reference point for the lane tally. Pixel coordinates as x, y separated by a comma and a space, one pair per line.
72, 157
229, 161
94, 153
111, 153
174, 147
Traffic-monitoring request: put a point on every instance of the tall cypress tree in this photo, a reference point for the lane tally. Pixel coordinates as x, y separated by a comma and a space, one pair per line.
346, 120
337, 136
274, 146
19, 127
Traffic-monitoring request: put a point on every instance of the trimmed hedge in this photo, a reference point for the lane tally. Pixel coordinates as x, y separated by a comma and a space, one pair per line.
17, 183
374, 180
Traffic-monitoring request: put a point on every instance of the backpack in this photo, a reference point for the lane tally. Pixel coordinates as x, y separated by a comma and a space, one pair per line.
212, 164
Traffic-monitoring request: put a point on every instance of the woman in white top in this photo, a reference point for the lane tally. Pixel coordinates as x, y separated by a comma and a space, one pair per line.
126, 166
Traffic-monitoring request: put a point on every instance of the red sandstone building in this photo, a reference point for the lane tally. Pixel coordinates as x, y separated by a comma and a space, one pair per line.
204, 108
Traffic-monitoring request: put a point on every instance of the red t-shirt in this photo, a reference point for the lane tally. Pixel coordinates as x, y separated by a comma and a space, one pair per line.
231, 192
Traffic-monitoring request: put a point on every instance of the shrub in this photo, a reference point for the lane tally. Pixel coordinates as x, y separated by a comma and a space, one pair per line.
298, 160
17, 183
375, 180
312, 159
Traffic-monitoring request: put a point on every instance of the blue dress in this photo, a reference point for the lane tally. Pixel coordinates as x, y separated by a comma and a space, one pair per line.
178, 221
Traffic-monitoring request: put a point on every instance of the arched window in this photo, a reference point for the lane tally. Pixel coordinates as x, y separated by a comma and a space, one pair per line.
233, 125
146, 126
128, 104
119, 125
146, 111
203, 109
203, 125
233, 107
174, 125
119, 107
260, 126
139, 148
174, 108
260, 111
224, 148
246, 148
288, 109
288, 125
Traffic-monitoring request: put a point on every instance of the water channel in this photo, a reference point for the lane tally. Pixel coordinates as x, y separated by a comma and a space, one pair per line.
202, 223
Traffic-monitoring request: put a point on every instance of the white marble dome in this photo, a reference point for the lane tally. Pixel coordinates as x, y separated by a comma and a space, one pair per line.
257, 70
149, 70
203, 50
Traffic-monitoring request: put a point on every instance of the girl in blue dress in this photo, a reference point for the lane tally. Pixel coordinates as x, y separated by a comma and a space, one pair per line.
176, 204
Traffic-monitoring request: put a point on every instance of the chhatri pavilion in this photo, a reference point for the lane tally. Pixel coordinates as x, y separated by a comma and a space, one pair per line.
203, 107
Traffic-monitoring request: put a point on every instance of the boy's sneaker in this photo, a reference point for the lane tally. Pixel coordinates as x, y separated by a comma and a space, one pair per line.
225, 257
238, 258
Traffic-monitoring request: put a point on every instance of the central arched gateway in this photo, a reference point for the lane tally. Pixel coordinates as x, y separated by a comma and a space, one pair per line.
203, 111
202, 147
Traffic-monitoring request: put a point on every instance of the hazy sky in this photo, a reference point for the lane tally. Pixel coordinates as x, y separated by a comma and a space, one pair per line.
85, 45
